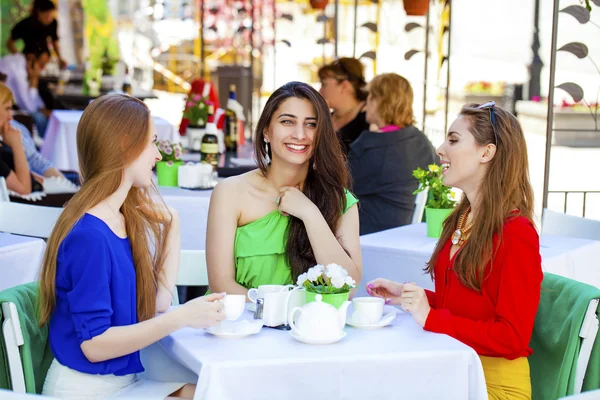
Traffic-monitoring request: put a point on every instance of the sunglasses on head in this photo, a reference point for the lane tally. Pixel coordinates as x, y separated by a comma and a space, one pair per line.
490, 106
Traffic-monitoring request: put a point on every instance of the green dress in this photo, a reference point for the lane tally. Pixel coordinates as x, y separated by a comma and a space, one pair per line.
259, 250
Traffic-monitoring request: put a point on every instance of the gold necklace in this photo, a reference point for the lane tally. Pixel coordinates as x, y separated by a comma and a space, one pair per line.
461, 234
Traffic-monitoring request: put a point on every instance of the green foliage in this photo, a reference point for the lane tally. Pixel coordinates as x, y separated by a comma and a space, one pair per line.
439, 195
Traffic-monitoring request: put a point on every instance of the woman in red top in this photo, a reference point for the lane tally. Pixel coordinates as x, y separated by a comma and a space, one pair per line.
486, 265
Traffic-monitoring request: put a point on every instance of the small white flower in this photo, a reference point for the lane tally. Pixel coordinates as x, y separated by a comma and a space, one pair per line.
334, 270
313, 274
350, 281
338, 282
301, 279
319, 268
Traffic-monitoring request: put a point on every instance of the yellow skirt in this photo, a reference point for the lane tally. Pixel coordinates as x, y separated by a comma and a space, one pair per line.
507, 379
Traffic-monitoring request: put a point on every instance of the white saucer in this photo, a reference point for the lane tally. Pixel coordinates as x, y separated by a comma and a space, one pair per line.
236, 330
307, 340
384, 321
251, 307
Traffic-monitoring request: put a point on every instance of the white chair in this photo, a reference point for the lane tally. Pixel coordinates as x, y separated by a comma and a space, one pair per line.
559, 224
588, 333
3, 190
192, 271
13, 338
28, 220
420, 202
8, 395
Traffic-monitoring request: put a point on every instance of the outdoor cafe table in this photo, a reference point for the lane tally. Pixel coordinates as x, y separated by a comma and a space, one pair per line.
400, 254
60, 142
20, 259
397, 361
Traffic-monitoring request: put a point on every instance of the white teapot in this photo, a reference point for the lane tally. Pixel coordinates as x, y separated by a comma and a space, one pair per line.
319, 320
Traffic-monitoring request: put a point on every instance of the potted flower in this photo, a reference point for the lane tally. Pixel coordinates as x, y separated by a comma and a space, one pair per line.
166, 170
196, 111
331, 281
440, 198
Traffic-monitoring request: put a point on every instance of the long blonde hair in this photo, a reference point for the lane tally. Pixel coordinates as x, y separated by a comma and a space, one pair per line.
505, 192
112, 133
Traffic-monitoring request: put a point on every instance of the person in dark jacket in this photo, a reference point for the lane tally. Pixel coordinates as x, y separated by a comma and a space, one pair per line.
382, 161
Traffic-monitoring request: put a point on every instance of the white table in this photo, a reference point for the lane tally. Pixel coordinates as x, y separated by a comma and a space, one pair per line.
60, 142
398, 361
192, 206
400, 254
20, 259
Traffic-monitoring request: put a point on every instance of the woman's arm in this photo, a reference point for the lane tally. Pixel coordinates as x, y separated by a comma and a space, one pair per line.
170, 267
20, 180
118, 341
223, 217
343, 247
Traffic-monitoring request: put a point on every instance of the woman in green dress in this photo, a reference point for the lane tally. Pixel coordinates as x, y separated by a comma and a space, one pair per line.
272, 224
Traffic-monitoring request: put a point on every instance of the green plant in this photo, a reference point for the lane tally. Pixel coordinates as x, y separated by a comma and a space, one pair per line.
431, 179
170, 152
196, 110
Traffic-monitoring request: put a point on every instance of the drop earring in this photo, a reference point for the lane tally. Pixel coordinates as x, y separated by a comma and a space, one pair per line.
267, 158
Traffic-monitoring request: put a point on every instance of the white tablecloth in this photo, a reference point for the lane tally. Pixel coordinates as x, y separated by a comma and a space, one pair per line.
192, 206
20, 259
60, 142
400, 254
401, 361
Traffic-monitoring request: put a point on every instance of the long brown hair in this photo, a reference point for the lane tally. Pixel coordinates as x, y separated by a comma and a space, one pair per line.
505, 192
112, 133
324, 186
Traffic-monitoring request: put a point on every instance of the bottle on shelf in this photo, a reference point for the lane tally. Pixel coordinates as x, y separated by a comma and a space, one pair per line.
209, 149
230, 128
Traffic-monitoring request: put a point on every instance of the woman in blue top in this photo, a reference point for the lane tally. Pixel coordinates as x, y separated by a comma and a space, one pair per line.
101, 283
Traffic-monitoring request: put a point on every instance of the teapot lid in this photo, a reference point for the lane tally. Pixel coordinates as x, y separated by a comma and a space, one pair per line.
319, 306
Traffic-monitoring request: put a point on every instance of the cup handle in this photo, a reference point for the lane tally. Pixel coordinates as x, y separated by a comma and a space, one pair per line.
291, 319
253, 295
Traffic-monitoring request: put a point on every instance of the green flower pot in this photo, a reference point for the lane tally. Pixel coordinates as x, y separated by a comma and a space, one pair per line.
435, 219
335, 299
167, 174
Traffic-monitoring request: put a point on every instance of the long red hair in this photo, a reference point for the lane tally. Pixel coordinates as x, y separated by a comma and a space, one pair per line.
112, 133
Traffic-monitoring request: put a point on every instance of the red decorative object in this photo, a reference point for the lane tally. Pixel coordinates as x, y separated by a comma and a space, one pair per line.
318, 4
415, 7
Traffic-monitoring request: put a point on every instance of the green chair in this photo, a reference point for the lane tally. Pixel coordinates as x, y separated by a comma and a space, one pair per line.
25, 354
566, 347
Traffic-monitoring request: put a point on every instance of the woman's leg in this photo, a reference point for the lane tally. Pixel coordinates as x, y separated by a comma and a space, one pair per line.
186, 392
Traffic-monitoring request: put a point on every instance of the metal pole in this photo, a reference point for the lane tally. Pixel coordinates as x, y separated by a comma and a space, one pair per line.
251, 78
550, 118
324, 37
448, 66
354, 33
335, 29
274, 47
535, 68
425, 68
202, 55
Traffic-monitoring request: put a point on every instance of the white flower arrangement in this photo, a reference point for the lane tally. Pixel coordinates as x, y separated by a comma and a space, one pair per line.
328, 279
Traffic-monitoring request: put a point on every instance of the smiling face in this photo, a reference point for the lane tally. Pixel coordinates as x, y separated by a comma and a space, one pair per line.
139, 172
291, 132
464, 161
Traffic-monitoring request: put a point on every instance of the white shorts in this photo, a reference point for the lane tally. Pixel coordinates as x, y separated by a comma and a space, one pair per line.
66, 383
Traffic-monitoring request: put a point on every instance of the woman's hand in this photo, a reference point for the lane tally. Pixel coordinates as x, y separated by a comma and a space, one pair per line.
11, 136
389, 290
202, 312
291, 201
414, 301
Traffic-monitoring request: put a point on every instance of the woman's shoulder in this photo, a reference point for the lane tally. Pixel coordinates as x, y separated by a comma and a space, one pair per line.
236, 184
519, 227
89, 233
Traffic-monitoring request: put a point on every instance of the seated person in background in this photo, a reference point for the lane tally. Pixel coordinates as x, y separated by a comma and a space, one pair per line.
13, 162
38, 164
342, 86
487, 278
111, 263
382, 161
22, 78
270, 225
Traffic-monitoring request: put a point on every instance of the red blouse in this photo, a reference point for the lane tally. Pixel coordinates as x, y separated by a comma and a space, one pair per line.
497, 322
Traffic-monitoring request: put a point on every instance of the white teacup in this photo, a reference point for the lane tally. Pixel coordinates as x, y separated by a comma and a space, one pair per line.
233, 306
263, 290
367, 310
